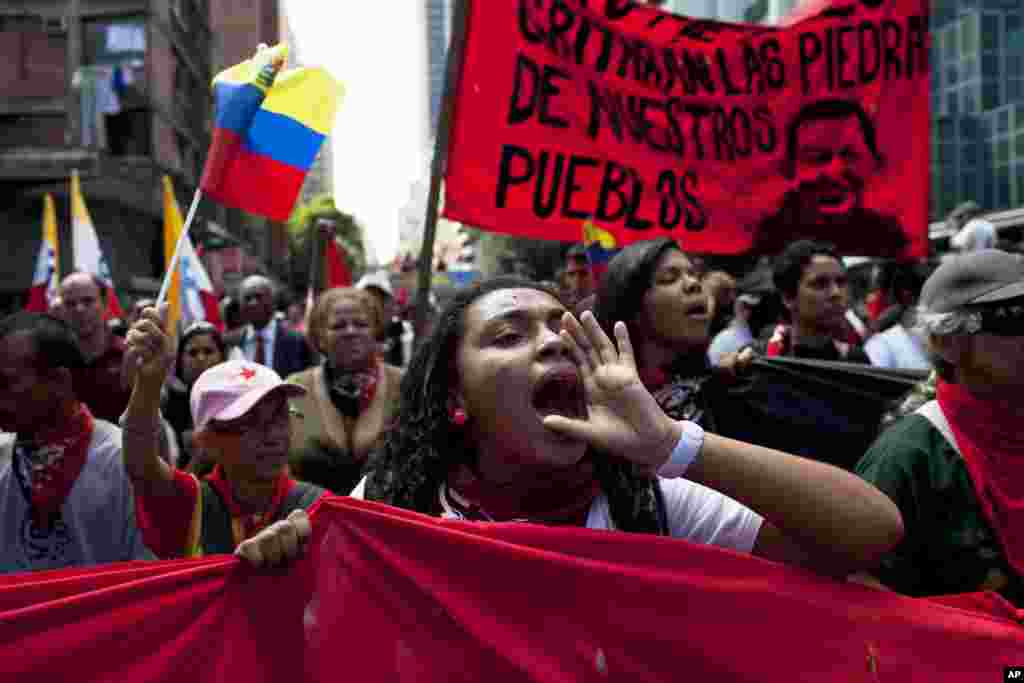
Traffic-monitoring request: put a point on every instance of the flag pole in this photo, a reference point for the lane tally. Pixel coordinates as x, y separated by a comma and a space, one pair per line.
166, 285
437, 167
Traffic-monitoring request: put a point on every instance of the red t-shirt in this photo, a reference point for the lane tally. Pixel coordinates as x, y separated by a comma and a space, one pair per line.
99, 384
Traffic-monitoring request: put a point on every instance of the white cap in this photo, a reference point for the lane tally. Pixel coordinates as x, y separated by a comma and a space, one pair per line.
378, 279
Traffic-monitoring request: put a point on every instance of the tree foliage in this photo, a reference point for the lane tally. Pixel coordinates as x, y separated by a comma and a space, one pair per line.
537, 259
302, 224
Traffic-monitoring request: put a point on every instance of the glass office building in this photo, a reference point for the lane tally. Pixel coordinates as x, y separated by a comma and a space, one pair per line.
977, 91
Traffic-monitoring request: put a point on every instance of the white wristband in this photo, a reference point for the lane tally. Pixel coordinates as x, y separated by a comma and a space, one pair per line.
686, 451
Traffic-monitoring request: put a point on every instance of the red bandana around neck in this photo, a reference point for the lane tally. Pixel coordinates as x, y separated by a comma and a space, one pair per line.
560, 497
991, 442
781, 343
354, 390
52, 464
248, 525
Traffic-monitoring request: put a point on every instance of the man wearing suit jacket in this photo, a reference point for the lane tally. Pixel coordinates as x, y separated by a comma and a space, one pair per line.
265, 339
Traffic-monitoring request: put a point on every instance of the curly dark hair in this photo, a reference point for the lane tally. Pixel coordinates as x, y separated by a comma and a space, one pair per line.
790, 264
422, 447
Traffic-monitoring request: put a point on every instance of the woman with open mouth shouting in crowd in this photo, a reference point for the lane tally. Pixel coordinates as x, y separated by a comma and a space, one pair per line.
514, 410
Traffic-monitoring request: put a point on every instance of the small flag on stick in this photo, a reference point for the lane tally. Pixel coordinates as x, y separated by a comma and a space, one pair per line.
89, 256
47, 274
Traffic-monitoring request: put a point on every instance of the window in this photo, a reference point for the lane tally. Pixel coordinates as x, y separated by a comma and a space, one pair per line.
1003, 152
951, 42
967, 186
114, 51
114, 41
969, 155
1019, 146
990, 67
951, 74
1015, 89
949, 184
989, 94
1012, 27
990, 32
952, 103
1003, 186
968, 101
968, 129
969, 35
946, 131
1014, 62
1003, 121
969, 68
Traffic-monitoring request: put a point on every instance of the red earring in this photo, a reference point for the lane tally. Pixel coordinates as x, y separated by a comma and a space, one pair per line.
457, 416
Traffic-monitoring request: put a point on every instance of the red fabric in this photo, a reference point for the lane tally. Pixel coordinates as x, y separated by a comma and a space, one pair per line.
781, 341
241, 179
61, 455
251, 524
37, 301
211, 307
650, 124
336, 270
556, 496
100, 386
165, 520
989, 436
388, 595
876, 302
114, 309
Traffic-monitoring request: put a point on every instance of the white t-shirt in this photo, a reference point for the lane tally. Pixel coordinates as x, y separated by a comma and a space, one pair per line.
97, 520
976, 234
897, 348
694, 512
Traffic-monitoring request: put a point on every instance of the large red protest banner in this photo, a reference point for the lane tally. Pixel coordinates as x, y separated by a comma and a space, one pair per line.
387, 595
728, 138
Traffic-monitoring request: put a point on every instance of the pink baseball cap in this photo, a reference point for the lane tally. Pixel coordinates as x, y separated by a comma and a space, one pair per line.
229, 390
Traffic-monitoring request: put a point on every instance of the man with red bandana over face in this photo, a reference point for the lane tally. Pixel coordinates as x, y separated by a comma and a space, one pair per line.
955, 467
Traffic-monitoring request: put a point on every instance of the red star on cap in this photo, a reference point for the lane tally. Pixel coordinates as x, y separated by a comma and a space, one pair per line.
247, 373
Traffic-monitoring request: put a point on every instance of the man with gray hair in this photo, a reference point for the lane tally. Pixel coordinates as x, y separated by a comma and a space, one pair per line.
955, 467
265, 339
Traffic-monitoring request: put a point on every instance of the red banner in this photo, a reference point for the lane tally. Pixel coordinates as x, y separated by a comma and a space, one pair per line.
386, 595
729, 138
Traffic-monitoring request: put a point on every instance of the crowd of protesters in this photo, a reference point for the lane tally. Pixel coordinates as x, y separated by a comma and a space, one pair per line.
600, 399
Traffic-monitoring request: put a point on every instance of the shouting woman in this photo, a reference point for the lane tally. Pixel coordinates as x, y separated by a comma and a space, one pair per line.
514, 410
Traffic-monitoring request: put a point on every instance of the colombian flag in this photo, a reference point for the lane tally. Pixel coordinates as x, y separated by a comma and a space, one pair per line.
268, 130
601, 247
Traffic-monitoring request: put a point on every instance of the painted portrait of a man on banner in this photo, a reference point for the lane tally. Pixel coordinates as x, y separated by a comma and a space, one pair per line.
831, 152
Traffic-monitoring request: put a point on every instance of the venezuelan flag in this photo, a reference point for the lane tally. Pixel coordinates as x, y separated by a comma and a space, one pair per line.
601, 246
269, 126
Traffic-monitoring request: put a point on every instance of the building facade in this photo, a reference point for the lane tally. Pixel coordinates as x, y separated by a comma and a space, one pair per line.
977, 91
118, 90
108, 89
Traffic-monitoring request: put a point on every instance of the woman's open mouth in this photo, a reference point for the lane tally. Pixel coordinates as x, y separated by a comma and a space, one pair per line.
560, 393
697, 309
